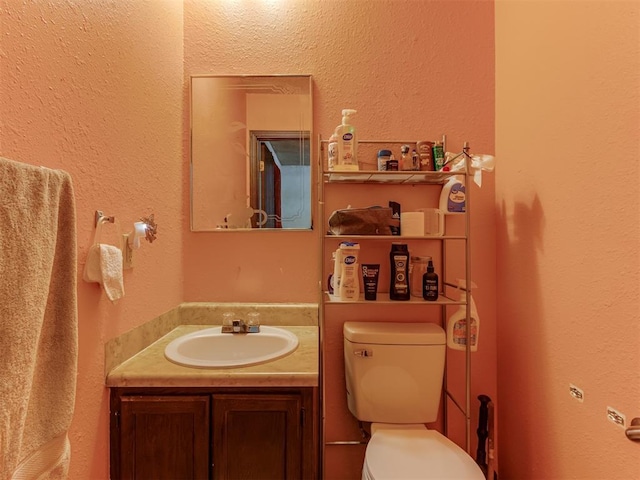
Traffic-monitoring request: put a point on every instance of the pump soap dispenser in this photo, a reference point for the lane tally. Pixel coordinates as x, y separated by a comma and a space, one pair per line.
347, 143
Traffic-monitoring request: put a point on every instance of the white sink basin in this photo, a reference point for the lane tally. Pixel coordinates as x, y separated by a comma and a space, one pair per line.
212, 348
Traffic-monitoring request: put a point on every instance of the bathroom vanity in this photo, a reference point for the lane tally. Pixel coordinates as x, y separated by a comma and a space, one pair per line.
219, 433
257, 421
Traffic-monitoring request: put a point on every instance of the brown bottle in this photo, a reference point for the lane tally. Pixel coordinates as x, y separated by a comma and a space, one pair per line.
425, 152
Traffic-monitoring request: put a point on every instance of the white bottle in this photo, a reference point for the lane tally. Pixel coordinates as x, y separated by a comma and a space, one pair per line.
453, 196
456, 325
350, 274
332, 157
337, 271
347, 143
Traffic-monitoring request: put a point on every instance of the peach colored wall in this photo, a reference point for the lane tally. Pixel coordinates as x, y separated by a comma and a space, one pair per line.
567, 119
413, 70
95, 88
98, 91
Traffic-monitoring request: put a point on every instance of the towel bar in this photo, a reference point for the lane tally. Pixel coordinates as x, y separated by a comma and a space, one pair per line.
101, 217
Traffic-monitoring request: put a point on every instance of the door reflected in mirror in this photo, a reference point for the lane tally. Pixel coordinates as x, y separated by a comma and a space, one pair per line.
250, 152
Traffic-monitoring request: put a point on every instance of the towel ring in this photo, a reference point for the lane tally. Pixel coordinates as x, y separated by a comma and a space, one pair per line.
101, 217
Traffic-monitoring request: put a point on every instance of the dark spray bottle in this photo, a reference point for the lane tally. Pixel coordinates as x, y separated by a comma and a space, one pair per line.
430, 284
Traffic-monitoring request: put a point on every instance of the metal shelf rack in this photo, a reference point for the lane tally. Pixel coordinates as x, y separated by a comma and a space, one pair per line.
375, 177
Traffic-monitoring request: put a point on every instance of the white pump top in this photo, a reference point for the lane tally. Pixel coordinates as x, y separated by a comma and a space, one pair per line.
346, 113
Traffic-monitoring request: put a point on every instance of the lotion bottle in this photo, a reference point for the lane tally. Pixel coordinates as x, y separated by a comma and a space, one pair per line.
425, 151
457, 324
347, 143
332, 157
337, 270
331, 275
350, 271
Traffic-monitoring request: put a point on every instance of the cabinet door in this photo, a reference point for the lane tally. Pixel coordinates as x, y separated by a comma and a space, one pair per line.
257, 437
164, 437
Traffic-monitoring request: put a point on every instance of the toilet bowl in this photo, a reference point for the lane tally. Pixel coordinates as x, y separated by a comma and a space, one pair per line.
406, 452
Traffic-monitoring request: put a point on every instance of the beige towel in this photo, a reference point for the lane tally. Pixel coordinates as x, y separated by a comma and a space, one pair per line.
38, 318
104, 266
49, 462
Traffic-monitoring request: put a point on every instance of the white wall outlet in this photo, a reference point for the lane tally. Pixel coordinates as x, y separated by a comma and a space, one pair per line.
576, 392
127, 252
616, 417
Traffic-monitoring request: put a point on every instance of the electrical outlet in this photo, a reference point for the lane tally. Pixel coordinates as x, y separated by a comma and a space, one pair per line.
127, 252
616, 417
576, 392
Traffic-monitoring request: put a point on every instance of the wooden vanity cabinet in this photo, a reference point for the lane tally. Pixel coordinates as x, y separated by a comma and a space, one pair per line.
161, 437
214, 433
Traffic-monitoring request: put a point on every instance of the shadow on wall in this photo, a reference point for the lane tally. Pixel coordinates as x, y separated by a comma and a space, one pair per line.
521, 330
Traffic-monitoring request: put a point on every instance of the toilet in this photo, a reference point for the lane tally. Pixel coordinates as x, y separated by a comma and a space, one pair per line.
394, 374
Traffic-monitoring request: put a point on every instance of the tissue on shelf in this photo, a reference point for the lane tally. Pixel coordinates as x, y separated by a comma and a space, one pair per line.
412, 224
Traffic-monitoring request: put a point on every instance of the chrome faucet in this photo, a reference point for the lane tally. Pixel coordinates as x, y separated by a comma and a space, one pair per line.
239, 326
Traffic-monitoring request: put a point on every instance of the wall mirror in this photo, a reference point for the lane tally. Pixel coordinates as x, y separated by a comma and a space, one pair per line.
250, 152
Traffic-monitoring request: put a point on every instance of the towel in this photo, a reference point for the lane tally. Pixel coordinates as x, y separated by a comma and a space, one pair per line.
49, 462
104, 266
38, 320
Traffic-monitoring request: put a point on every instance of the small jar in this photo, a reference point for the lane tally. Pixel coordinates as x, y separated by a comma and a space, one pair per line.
417, 268
383, 157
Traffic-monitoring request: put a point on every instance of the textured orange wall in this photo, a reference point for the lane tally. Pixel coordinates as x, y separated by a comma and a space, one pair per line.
410, 68
99, 91
413, 70
567, 119
95, 88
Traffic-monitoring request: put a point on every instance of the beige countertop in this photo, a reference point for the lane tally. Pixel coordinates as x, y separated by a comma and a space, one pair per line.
150, 368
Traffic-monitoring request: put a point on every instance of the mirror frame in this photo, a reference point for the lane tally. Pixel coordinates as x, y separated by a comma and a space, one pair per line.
307, 135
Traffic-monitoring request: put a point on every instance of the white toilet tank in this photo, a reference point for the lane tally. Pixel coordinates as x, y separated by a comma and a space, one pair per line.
394, 371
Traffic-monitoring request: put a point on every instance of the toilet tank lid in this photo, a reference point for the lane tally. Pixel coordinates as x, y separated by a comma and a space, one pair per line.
394, 333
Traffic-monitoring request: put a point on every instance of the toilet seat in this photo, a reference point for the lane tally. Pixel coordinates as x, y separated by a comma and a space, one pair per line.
416, 453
